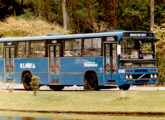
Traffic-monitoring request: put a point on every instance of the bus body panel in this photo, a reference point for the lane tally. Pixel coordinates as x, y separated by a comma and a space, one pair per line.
72, 79
2, 66
34, 65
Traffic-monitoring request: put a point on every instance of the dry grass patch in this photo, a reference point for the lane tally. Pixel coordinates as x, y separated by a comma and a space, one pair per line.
19, 27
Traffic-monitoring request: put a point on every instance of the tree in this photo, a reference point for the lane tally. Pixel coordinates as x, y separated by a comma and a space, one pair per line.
151, 14
64, 14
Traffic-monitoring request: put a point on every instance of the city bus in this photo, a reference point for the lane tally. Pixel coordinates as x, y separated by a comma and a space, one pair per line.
92, 60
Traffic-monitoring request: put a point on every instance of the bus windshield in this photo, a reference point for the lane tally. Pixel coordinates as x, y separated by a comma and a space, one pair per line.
137, 53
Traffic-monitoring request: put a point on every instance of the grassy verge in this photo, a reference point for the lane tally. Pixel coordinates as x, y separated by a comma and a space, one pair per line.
142, 101
32, 116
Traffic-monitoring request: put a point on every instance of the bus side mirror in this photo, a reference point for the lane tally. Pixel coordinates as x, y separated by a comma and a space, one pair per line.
118, 49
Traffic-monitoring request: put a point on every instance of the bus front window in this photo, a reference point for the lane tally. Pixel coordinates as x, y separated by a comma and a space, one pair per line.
137, 53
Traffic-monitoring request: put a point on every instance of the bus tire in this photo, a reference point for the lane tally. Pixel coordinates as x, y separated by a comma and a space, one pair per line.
26, 79
56, 87
124, 87
92, 82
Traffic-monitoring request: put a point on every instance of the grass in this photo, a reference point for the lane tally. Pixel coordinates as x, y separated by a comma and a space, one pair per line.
142, 101
19, 27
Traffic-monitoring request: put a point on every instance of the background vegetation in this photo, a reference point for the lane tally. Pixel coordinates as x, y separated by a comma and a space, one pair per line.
42, 17
88, 16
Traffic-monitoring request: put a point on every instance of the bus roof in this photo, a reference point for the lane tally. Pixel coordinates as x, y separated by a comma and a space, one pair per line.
118, 34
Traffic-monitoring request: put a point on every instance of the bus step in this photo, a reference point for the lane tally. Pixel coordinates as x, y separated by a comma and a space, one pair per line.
111, 80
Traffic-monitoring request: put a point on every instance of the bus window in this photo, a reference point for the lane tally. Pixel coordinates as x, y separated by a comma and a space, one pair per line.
72, 47
21, 49
127, 46
1, 50
114, 56
92, 47
146, 50
37, 49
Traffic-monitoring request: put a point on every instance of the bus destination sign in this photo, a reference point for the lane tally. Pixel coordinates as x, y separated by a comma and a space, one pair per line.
110, 39
138, 35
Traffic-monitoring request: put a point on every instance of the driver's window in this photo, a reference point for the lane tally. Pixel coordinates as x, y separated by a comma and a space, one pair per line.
146, 50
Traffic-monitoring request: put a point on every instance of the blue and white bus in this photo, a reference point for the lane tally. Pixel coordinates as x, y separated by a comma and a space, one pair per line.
93, 60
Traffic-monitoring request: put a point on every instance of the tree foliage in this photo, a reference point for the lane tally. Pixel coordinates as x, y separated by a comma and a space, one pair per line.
93, 15
160, 48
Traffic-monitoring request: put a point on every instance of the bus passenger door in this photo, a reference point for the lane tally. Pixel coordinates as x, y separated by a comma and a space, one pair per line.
54, 64
110, 57
9, 59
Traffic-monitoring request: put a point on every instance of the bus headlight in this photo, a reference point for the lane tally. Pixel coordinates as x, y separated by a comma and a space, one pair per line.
155, 76
130, 77
152, 76
126, 76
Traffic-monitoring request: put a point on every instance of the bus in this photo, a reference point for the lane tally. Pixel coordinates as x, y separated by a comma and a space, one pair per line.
93, 60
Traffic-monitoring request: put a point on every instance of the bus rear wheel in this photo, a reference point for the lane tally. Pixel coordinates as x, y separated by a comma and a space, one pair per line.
124, 87
56, 87
26, 79
92, 82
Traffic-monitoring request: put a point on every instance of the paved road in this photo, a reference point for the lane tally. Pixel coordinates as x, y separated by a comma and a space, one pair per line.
73, 88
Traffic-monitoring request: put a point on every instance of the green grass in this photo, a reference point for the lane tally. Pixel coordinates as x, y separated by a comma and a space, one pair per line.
153, 101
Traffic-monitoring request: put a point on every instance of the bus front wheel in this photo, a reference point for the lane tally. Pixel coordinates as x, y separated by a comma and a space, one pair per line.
26, 79
56, 87
124, 87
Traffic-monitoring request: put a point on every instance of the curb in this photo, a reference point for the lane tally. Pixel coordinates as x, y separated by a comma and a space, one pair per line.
91, 112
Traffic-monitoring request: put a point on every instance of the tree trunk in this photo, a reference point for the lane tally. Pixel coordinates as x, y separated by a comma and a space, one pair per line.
114, 24
164, 5
64, 12
151, 14
21, 2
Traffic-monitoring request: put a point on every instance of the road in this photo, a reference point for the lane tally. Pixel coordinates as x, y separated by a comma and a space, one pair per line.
76, 88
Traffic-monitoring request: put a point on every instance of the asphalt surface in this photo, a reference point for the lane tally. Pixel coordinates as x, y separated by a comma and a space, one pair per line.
4, 86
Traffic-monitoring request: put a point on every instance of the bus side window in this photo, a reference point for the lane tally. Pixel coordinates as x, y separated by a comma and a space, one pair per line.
37, 49
1, 50
92, 47
72, 47
21, 49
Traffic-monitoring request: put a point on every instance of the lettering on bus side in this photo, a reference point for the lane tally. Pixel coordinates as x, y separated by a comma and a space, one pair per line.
90, 64
27, 65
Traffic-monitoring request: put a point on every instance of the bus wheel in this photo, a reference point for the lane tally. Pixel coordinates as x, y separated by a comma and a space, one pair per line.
92, 82
124, 87
26, 80
56, 87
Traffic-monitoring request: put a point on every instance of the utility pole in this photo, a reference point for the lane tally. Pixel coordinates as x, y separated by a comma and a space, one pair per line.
151, 14
64, 12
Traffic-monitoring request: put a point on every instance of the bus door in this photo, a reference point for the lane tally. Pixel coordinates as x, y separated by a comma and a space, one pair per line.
54, 64
110, 57
9, 59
